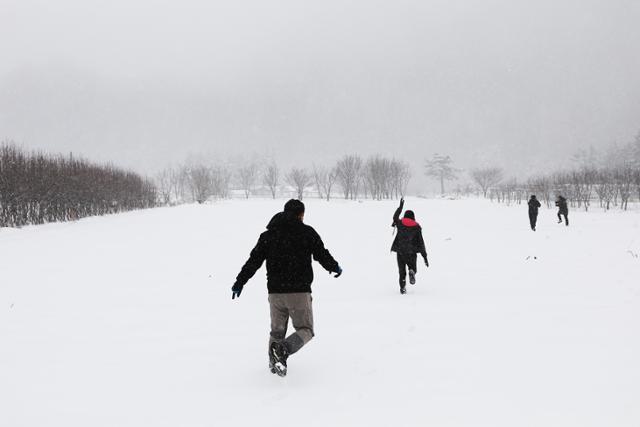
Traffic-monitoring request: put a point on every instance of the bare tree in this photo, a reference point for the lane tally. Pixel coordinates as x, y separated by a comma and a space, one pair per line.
440, 167
200, 183
299, 179
624, 181
385, 178
163, 184
179, 183
486, 178
348, 169
324, 179
220, 181
377, 176
401, 175
248, 176
271, 178
508, 192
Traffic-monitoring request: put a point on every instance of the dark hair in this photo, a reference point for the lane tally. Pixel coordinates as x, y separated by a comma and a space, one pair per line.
294, 206
409, 214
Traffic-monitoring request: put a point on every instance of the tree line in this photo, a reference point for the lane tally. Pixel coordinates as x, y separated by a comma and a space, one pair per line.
610, 178
608, 187
37, 188
352, 176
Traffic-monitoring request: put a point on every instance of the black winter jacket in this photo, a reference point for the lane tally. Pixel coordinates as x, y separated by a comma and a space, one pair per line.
409, 236
534, 204
561, 203
287, 246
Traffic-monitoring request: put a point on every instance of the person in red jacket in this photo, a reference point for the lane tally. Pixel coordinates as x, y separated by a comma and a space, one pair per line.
407, 244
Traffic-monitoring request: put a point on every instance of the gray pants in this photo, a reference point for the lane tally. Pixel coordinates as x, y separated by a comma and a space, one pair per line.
296, 306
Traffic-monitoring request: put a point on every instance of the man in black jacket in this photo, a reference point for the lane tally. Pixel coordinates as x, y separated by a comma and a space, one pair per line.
288, 246
407, 244
534, 205
563, 209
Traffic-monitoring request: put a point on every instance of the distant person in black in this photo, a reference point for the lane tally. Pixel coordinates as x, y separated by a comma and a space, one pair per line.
534, 205
288, 246
407, 244
563, 209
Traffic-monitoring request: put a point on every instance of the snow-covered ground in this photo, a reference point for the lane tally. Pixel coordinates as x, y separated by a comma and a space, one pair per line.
128, 321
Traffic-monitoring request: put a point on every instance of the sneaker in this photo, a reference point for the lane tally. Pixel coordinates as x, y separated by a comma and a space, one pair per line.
412, 277
280, 355
403, 290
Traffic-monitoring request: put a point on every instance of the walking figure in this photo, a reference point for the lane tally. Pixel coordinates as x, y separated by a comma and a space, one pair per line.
534, 205
563, 209
407, 244
288, 246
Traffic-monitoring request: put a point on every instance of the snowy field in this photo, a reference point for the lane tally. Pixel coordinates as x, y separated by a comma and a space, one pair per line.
128, 321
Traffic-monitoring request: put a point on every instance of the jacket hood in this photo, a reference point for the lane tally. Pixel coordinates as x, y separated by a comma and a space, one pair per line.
283, 220
408, 222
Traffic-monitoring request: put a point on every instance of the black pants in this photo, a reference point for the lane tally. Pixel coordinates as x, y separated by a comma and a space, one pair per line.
404, 261
566, 217
533, 219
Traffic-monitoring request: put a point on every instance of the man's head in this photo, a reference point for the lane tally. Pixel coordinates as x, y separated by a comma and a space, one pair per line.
295, 207
409, 214
533, 196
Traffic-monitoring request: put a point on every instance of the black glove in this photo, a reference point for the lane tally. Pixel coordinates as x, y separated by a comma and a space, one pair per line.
401, 202
236, 290
338, 272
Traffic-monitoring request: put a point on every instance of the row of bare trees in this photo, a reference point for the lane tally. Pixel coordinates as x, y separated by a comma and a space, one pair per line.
193, 183
610, 178
38, 188
376, 177
606, 187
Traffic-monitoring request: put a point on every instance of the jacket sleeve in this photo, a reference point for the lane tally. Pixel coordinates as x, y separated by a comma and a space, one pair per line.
322, 255
396, 214
421, 247
256, 258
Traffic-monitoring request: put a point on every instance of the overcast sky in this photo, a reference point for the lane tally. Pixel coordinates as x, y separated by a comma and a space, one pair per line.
518, 84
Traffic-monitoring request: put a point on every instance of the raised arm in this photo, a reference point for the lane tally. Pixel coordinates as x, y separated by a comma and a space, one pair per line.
396, 214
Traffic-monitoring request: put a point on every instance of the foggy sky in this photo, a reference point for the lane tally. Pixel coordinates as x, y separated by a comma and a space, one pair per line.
517, 84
